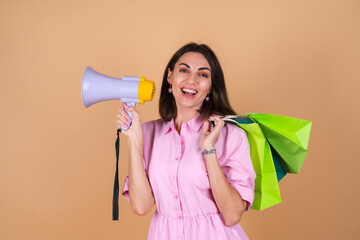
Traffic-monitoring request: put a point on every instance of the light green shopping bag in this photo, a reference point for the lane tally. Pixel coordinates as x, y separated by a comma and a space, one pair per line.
288, 136
267, 192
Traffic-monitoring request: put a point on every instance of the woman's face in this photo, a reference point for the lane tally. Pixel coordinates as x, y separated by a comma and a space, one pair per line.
191, 80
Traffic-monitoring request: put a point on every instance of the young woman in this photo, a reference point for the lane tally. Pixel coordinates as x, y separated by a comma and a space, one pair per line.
197, 172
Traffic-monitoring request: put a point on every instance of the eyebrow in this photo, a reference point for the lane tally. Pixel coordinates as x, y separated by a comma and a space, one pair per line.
202, 68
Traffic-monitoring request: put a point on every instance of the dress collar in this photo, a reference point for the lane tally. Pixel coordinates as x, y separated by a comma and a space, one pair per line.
194, 124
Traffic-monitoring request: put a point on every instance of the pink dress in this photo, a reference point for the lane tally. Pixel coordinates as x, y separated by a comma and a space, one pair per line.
177, 173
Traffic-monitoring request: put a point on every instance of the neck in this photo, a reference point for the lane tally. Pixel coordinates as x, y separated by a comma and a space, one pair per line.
183, 116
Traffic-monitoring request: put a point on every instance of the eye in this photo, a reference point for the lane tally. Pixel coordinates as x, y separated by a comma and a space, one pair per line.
204, 75
183, 70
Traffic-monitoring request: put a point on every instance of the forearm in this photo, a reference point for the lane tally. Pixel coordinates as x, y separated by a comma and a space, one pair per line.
141, 198
228, 200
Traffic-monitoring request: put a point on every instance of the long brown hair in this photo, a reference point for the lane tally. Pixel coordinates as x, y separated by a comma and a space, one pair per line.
218, 100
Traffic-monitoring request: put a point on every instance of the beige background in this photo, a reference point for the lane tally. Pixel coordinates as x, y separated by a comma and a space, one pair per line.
295, 58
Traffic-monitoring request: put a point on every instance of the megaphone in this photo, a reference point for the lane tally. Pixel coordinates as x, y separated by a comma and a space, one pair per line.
97, 87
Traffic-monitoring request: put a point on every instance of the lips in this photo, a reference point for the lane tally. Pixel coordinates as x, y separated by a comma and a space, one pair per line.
189, 91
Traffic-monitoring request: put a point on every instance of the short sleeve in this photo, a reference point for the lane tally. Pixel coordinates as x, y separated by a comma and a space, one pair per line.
148, 131
125, 191
237, 166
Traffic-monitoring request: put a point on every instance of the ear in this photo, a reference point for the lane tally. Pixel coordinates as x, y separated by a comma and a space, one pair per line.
169, 76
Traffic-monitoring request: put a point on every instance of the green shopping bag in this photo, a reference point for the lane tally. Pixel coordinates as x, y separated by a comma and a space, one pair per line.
288, 136
267, 192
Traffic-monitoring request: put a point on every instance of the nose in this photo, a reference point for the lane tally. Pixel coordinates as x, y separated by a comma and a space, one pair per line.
194, 78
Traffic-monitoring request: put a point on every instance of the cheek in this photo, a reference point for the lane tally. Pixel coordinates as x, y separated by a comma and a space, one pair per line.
205, 85
178, 78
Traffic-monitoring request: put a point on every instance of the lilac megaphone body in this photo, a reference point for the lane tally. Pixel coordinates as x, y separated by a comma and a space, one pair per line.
97, 87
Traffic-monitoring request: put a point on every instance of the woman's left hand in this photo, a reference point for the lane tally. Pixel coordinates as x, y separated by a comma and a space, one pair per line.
210, 134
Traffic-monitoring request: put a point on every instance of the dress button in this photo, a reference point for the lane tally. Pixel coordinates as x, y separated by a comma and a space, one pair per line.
177, 158
179, 217
176, 196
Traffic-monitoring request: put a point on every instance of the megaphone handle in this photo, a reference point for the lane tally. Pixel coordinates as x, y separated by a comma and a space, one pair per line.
130, 116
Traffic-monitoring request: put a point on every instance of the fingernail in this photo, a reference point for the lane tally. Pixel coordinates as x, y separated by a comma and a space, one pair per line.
126, 106
127, 118
127, 123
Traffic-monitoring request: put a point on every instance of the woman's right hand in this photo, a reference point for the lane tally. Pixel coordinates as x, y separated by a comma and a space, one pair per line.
135, 130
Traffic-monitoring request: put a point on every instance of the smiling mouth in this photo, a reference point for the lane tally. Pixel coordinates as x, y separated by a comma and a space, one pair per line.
188, 91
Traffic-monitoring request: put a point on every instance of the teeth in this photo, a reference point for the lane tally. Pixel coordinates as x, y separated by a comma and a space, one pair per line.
188, 91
